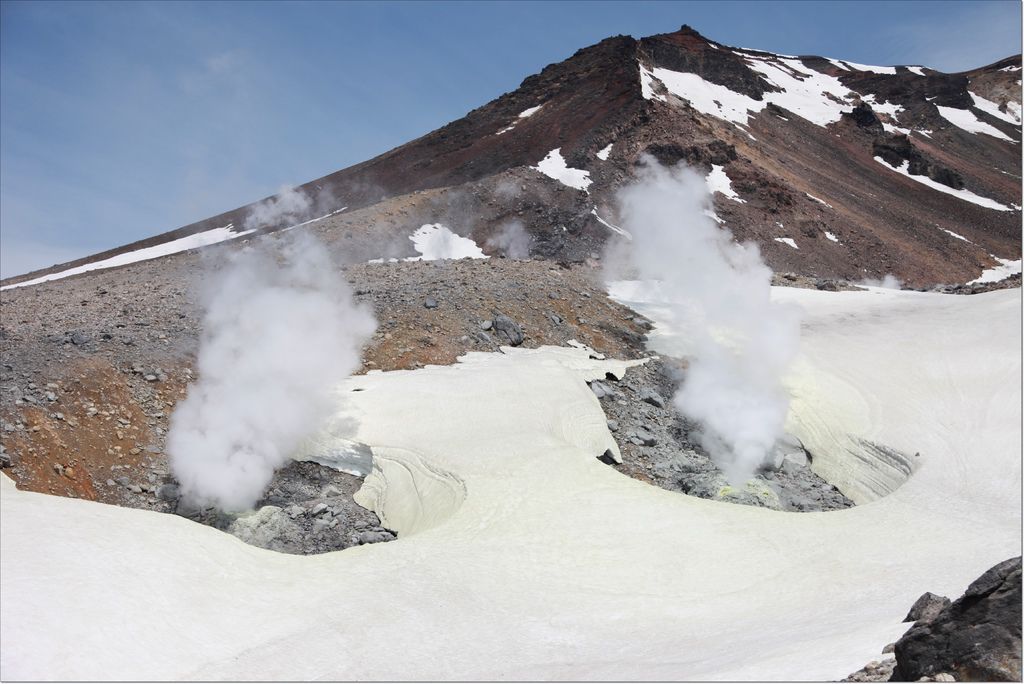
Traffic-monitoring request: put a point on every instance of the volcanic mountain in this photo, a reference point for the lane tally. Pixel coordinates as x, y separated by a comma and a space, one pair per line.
835, 169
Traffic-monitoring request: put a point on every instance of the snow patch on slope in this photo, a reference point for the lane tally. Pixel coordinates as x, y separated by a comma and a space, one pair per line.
435, 241
1005, 269
807, 93
819, 200
965, 195
916, 70
787, 241
832, 237
603, 154
554, 166
525, 114
610, 226
706, 97
1011, 115
968, 121
203, 239
873, 69
718, 181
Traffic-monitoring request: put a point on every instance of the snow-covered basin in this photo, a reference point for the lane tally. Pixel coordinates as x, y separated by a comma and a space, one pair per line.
521, 556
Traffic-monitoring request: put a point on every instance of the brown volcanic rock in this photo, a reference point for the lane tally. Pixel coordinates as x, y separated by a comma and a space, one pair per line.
884, 222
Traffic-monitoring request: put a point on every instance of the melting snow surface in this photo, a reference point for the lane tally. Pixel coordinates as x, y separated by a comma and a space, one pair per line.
554, 166
507, 549
806, 92
706, 97
206, 238
965, 195
812, 95
434, 241
603, 154
787, 241
1005, 269
1011, 115
1010, 68
968, 121
718, 181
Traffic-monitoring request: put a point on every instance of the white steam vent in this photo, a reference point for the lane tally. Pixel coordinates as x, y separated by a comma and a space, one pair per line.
280, 331
717, 292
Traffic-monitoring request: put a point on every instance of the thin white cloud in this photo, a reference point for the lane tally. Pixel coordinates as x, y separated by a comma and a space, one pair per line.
966, 37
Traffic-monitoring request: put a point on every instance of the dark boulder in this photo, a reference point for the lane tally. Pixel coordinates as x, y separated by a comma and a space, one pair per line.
927, 608
976, 638
507, 330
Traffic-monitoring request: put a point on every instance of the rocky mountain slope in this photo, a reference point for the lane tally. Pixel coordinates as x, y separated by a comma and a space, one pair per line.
835, 169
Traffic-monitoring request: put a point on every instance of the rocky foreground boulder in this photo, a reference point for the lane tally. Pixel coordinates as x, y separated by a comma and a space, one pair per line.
976, 638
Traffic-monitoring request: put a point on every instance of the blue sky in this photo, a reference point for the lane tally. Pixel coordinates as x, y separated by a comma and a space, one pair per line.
123, 120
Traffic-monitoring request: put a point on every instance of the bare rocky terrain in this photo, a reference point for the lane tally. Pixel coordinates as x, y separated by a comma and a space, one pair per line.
94, 365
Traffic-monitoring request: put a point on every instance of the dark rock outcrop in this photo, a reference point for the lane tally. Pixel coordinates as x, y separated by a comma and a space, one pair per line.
976, 638
927, 608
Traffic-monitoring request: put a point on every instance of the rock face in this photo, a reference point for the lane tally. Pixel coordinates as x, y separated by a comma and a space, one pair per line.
976, 638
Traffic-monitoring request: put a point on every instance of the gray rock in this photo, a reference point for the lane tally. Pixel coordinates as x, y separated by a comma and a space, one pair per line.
135, 489
5, 460
430, 303
613, 425
124, 481
79, 338
375, 536
485, 325
318, 509
167, 492
643, 437
295, 511
268, 528
111, 483
508, 330
976, 638
927, 607
651, 397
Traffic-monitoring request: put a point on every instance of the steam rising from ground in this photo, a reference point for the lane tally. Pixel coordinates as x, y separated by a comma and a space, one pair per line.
280, 331
889, 282
718, 293
289, 207
512, 240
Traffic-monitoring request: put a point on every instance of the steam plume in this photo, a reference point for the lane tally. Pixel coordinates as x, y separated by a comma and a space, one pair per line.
280, 331
512, 240
287, 206
718, 291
